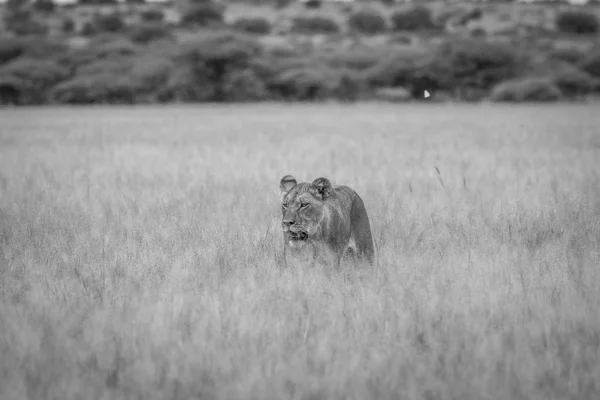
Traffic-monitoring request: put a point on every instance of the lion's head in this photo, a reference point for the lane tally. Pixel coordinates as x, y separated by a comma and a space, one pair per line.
303, 209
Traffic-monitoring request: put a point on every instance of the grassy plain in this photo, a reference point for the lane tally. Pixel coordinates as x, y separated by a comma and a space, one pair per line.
139, 247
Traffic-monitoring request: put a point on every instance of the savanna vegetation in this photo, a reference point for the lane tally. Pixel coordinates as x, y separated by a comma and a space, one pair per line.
99, 52
139, 253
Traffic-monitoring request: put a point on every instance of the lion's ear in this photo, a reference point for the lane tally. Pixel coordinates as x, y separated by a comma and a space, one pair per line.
322, 186
287, 183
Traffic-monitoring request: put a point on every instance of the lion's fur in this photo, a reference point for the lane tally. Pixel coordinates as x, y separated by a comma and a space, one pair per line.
334, 219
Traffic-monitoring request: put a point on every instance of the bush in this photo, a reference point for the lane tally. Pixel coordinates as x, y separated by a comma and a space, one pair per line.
393, 95
87, 29
570, 54
99, 49
279, 4
152, 15
112, 22
253, 25
474, 63
244, 85
24, 22
577, 22
478, 32
356, 59
68, 25
188, 84
575, 84
314, 25
150, 74
591, 64
9, 91
202, 14
349, 87
44, 6
526, 89
35, 77
367, 21
97, 2
95, 89
148, 32
474, 14
209, 61
415, 19
10, 48
310, 83
31, 47
313, 4
397, 68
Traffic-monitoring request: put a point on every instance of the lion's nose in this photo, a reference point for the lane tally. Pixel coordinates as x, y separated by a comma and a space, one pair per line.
289, 222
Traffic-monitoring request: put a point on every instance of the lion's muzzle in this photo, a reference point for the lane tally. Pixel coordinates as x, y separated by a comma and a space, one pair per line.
299, 236
295, 233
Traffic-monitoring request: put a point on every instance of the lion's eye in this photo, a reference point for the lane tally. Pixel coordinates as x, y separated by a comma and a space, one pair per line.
303, 205
284, 205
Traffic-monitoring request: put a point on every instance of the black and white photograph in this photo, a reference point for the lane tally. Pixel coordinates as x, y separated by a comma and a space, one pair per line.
299, 199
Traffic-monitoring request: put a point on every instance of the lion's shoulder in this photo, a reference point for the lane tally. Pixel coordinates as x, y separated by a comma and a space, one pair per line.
341, 199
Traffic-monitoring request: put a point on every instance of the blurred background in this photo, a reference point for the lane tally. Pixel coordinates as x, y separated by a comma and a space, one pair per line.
187, 51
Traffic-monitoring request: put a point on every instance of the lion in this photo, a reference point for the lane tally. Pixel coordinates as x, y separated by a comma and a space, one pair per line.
327, 221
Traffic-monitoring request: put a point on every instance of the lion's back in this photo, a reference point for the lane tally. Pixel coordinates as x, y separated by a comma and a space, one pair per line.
355, 215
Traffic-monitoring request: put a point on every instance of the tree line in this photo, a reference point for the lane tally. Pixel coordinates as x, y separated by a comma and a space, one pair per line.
204, 60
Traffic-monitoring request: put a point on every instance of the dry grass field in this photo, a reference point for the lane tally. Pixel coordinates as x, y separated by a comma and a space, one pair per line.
139, 248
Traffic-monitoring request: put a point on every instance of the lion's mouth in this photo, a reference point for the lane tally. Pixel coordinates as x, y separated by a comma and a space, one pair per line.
300, 236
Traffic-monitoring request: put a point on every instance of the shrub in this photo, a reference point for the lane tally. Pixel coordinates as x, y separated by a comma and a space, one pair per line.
474, 14
118, 66
99, 89
393, 95
10, 48
32, 47
152, 15
415, 19
44, 6
112, 22
253, 25
478, 32
349, 87
305, 83
313, 4
97, 2
314, 25
211, 59
188, 84
367, 21
575, 83
150, 74
99, 49
202, 14
570, 54
35, 77
398, 68
475, 63
68, 25
148, 32
87, 29
577, 22
357, 58
244, 85
526, 89
279, 4
24, 22
591, 64
10, 91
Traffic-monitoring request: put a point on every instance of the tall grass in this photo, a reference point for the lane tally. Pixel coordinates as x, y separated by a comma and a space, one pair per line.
139, 253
